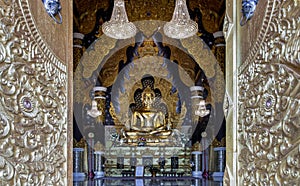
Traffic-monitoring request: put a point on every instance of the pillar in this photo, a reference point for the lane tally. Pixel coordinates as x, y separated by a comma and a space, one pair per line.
219, 163
77, 49
78, 173
98, 166
197, 164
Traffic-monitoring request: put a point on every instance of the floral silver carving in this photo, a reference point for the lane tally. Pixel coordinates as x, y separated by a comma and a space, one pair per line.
269, 104
33, 106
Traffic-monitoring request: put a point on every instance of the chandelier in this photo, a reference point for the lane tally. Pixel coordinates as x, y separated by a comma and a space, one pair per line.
181, 26
118, 26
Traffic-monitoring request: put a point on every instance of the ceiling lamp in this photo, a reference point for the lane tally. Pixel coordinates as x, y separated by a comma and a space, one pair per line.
181, 26
202, 111
94, 112
118, 26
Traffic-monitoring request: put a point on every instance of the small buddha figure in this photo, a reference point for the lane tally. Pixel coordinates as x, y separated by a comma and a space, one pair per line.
148, 120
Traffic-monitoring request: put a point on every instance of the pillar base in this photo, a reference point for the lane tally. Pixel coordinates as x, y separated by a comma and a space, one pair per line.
197, 174
79, 176
218, 176
99, 174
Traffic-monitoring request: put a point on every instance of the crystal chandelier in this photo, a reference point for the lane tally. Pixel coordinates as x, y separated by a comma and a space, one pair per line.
119, 27
181, 26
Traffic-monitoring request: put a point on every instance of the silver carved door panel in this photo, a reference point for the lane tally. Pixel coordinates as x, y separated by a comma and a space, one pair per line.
34, 94
264, 101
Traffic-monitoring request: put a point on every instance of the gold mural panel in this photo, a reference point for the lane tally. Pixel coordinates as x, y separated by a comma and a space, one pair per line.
85, 20
150, 10
92, 58
269, 106
205, 58
33, 105
212, 13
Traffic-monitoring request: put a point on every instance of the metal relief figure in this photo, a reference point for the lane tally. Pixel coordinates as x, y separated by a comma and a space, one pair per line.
248, 8
163, 51
53, 9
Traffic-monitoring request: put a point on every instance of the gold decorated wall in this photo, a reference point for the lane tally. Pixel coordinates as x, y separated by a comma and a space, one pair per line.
262, 101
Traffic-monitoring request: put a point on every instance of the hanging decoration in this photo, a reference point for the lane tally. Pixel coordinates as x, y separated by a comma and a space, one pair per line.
248, 8
181, 26
119, 27
53, 9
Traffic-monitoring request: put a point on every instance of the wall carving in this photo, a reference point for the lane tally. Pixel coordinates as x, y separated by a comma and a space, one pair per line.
227, 105
269, 106
33, 105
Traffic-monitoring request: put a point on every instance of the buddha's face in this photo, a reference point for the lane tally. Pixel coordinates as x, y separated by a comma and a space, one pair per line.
148, 97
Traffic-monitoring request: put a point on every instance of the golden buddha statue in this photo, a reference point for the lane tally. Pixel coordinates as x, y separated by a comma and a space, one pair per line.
148, 121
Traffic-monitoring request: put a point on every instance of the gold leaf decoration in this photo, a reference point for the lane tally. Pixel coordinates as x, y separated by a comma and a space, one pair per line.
205, 58
93, 57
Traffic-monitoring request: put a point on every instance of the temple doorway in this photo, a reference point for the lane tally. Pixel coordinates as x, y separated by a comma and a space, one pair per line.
158, 101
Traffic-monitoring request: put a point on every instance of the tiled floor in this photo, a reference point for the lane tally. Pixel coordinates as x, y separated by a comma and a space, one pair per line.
161, 181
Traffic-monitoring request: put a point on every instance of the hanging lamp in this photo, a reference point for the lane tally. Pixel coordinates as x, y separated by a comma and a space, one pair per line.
118, 26
181, 26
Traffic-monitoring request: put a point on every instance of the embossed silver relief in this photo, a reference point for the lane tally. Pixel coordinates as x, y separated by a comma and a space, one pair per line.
53, 8
32, 103
248, 8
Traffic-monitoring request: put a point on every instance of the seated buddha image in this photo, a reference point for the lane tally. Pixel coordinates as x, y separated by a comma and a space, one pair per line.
149, 116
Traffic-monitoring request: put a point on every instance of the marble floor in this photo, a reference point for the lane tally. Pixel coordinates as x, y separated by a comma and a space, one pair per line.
161, 181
